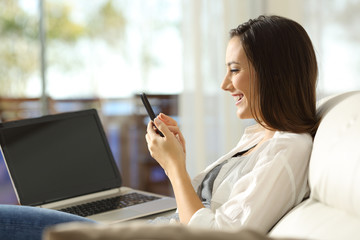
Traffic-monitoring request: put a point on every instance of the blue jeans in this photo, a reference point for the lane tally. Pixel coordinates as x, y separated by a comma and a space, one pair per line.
22, 222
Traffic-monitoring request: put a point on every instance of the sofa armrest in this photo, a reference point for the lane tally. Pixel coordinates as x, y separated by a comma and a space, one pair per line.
142, 230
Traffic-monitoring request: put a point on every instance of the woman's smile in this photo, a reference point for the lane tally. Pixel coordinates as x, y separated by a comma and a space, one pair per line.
238, 98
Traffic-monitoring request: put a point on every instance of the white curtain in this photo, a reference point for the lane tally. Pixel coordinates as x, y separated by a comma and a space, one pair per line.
207, 113
334, 28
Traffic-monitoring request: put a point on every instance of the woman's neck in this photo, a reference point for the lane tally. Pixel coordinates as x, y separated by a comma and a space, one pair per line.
268, 134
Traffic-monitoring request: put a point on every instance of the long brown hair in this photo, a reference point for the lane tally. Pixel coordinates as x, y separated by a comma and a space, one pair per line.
286, 73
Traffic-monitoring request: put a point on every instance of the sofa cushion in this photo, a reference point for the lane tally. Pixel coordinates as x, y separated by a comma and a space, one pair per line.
142, 230
314, 220
334, 170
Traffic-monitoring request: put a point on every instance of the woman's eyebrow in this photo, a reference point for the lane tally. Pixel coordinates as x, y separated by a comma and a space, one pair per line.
232, 62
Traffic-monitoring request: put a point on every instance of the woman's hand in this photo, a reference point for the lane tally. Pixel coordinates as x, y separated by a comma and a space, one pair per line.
168, 151
173, 127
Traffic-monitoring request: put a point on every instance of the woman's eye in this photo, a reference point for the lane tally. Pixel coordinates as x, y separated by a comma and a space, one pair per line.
234, 70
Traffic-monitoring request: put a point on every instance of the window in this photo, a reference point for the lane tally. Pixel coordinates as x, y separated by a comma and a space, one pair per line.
108, 48
112, 49
335, 34
19, 50
98, 54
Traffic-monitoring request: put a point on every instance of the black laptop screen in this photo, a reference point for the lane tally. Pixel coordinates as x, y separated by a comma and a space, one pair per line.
57, 157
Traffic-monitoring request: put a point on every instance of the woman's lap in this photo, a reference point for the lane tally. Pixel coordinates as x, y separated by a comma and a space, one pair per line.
22, 222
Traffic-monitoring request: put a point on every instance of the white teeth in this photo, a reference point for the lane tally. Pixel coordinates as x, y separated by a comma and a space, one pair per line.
239, 97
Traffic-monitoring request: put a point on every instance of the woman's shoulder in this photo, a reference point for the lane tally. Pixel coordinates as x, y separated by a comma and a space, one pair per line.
280, 138
284, 147
291, 143
293, 138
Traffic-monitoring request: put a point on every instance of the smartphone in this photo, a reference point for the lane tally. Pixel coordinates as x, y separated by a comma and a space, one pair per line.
149, 111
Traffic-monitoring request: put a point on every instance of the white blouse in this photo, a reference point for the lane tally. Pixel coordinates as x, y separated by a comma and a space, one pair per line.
274, 180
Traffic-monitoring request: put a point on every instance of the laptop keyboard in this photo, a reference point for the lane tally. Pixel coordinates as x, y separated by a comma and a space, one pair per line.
108, 204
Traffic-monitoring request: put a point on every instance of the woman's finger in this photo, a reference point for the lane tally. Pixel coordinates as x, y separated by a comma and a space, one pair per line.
162, 127
150, 130
167, 120
174, 129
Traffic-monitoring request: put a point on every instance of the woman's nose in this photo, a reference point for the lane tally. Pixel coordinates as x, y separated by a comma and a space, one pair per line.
226, 83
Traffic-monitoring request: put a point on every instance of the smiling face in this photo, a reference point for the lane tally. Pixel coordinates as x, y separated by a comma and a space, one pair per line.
238, 76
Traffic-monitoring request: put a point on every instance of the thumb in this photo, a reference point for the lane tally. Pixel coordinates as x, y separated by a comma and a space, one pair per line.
162, 126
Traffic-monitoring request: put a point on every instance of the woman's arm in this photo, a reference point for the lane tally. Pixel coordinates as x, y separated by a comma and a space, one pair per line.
169, 152
276, 181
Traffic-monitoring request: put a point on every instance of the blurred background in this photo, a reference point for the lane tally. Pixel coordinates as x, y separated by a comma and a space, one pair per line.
58, 56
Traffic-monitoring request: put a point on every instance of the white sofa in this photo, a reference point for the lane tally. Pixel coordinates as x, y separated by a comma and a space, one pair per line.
333, 209
331, 212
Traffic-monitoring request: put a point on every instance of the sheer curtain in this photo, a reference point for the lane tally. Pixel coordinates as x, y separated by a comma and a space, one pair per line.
334, 28
207, 113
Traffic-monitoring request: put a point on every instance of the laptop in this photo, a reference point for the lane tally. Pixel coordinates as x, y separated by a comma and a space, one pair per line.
64, 162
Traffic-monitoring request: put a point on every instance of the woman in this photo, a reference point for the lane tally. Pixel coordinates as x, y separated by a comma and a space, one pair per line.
271, 73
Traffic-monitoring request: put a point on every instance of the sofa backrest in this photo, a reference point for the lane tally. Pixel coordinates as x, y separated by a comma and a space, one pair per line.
333, 209
334, 170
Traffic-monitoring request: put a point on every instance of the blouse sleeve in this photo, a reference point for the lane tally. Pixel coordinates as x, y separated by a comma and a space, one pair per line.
260, 198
